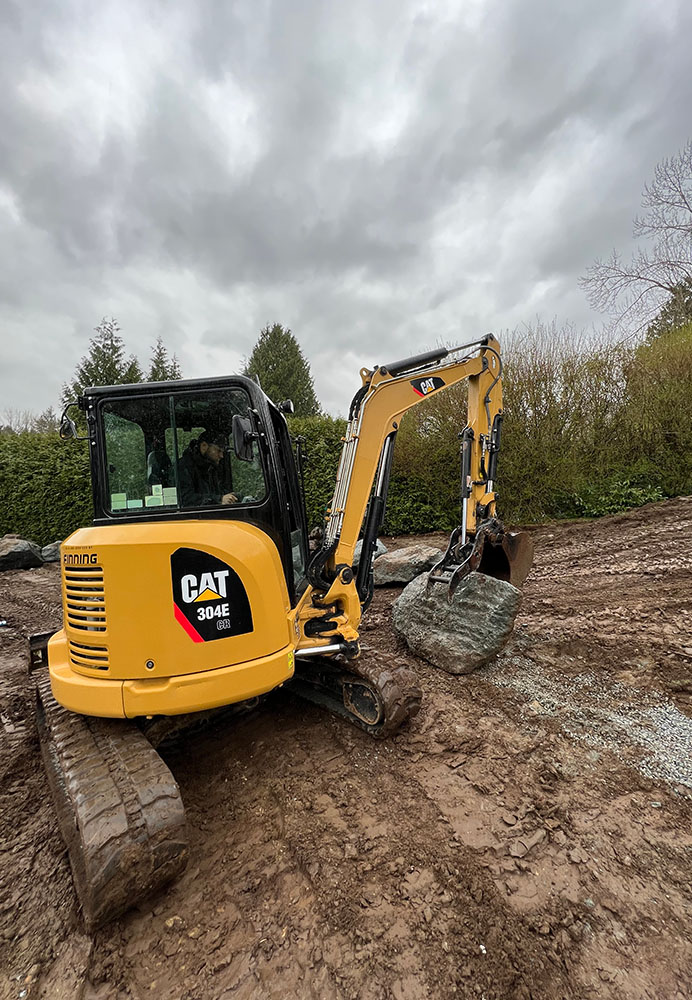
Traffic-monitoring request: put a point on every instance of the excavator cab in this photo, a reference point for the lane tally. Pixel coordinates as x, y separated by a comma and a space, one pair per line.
173, 451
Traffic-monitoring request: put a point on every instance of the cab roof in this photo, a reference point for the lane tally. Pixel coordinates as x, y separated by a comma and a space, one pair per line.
176, 385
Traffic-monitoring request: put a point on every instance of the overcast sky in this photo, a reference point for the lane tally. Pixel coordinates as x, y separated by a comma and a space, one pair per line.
378, 175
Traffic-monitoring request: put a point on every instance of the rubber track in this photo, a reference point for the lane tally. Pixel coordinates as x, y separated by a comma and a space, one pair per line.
395, 687
118, 807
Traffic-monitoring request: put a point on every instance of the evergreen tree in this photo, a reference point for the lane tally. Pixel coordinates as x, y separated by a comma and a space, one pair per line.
675, 313
283, 371
45, 422
163, 368
105, 364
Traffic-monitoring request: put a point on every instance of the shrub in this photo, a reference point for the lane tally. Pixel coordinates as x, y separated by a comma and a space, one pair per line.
614, 497
322, 446
45, 490
653, 432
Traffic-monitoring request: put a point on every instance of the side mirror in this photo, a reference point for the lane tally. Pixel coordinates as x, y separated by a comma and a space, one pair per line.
243, 436
68, 428
287, 406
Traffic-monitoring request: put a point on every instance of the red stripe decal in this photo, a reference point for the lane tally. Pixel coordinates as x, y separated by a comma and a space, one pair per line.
417, 391
190, 629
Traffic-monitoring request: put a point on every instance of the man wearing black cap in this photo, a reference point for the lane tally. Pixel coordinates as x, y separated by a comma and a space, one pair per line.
198, 472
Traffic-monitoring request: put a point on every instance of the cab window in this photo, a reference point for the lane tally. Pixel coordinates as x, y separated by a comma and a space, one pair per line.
183, 451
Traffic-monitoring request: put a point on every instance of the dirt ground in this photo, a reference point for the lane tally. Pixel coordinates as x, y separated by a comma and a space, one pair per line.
528, 835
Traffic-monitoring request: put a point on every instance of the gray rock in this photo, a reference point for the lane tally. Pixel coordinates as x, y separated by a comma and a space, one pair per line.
380, 550
464, 634
17, 553
51, 552
403, 565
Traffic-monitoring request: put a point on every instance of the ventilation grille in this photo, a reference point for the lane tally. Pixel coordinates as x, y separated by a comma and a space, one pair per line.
85, 599
91, 657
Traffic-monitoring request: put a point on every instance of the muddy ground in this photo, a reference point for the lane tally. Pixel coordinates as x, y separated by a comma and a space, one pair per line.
528, 835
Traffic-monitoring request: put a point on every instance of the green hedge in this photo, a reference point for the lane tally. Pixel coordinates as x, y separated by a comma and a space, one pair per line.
590, 429
45, 490
594, 429
322, 447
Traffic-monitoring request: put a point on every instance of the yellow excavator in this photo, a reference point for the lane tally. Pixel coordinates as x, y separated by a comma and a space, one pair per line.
195, 589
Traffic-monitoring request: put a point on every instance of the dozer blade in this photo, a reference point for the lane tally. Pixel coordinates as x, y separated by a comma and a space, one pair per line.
492, 551
118, 806
374, 692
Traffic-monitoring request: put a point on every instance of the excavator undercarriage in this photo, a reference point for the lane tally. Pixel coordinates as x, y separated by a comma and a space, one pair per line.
118, 806
374, 692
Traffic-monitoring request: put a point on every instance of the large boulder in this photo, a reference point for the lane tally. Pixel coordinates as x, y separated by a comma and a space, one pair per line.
18, 553
463, 634
51, 552
403, 565
380, 550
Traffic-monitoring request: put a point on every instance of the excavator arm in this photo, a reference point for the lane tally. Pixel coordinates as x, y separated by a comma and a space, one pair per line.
386, 393
375, 416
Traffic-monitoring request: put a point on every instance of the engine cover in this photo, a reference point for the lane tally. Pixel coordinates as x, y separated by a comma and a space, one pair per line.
151, 602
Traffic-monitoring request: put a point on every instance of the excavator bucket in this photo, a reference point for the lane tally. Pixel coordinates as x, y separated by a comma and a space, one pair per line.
507, 556
492, 551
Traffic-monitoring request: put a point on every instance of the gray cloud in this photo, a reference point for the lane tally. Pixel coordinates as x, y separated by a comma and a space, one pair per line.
377, 176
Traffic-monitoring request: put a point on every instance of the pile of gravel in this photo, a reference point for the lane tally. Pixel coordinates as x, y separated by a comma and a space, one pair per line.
606, 715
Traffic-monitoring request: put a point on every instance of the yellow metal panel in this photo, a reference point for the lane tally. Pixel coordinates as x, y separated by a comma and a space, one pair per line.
209, 689
86, 695
168, 696
139, 625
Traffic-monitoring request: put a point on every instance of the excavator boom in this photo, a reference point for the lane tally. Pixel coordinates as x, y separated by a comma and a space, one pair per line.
336, 600
386, 393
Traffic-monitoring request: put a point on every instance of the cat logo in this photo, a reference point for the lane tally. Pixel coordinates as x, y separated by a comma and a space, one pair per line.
209, 599
424, 386
210, 587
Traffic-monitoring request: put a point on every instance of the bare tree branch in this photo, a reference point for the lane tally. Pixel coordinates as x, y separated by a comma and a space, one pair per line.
634, 293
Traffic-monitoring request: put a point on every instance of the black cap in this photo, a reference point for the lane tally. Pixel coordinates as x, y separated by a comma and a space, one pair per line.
211, 438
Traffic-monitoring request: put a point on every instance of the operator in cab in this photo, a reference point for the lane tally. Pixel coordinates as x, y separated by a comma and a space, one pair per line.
199, 472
